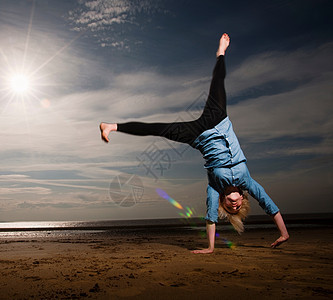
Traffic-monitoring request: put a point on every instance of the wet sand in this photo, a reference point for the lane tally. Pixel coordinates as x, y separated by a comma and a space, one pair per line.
148, 264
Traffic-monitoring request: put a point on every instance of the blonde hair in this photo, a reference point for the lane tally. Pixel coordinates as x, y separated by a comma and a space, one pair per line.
236, 219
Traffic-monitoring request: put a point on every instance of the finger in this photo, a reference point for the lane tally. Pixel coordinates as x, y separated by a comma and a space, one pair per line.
275, 244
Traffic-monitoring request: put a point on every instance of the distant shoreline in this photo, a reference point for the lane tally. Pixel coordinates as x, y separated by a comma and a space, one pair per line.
320, 219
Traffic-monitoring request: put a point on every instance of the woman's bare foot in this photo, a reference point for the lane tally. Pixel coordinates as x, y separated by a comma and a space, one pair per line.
106, 128
224, 43
203, 251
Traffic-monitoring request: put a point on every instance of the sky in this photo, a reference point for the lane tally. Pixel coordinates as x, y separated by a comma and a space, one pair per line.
66, 66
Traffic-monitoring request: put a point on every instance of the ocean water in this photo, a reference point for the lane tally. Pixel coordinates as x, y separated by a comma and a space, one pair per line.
84, 229
90, 229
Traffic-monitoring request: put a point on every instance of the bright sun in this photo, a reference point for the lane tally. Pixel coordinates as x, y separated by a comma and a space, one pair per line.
19, 84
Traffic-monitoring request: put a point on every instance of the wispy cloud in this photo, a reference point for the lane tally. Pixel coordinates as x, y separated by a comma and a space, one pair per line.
293, 67
106, 19
25, 190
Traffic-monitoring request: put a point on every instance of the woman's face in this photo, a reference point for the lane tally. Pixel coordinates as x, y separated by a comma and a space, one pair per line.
233, 202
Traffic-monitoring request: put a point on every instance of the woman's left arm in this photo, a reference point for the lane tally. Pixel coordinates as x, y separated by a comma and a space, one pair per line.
258, 193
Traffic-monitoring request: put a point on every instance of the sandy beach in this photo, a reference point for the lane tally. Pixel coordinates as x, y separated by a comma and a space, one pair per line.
153, 265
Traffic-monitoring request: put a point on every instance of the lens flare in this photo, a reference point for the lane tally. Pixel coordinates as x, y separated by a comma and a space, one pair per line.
186, 212
45, 103
189, 212
229, 244
164, 195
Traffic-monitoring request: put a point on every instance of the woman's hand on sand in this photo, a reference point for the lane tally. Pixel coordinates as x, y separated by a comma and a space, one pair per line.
284, 235
279, 241
203, 251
